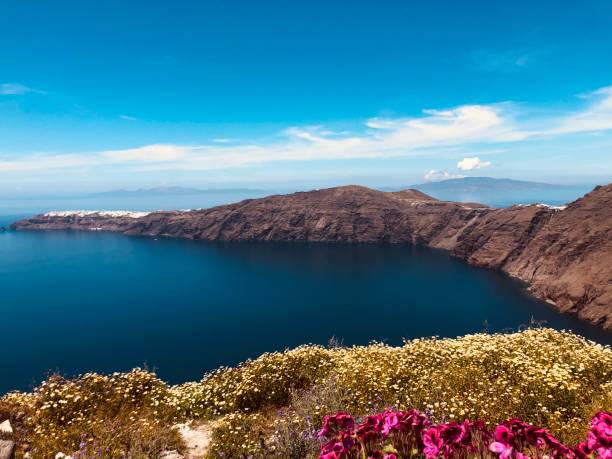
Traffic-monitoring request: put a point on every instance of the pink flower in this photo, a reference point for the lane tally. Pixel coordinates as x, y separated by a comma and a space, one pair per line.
394, 420
503, 449
603, 429
408, 430
503, 434
404, 421
432, 442
340, 422
379, 455
582, 450
591, 440
534, 435
604, 453
339, 447
452, 433
470, 429
371, 429
602, 417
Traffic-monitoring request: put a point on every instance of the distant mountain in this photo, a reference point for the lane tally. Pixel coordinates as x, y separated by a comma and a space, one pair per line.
501, 192
169, 191
468, 184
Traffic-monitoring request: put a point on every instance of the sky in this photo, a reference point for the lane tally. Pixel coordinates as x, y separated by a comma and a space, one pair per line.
100, 95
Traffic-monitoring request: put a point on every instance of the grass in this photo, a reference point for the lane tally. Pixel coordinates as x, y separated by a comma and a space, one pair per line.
270, 406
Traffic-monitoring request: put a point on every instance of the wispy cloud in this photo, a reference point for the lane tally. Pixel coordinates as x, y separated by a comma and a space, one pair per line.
11, 89
128, 118
503, 61
465, 130
596, 117
435, 175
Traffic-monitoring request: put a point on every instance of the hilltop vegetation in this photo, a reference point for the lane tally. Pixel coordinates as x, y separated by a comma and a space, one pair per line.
274, 405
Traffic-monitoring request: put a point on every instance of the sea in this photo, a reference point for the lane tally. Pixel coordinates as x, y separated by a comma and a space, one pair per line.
74, 302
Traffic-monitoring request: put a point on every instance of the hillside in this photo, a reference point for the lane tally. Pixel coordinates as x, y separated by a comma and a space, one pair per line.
274, 406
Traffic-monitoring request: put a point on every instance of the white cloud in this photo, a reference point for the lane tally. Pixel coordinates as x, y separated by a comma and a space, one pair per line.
595, 117
128, 118
457, 132
222, 140
467, 164
435, 175
9, 89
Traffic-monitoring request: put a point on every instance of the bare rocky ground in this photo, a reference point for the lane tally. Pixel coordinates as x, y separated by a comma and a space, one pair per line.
197, 438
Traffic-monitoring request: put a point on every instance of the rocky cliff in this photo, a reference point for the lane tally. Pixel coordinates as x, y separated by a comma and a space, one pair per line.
564, 254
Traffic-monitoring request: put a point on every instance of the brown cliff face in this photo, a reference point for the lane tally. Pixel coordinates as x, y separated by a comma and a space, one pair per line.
569, 260
565, 255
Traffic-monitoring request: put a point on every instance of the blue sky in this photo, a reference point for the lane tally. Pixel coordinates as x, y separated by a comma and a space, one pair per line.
126, 94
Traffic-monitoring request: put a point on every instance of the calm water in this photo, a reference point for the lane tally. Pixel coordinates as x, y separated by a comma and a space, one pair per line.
76, 302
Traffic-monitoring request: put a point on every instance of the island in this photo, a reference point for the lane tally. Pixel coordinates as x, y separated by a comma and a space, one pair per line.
563, 253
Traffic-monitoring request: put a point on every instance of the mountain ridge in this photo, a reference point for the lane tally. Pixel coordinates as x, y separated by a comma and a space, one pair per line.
487, 183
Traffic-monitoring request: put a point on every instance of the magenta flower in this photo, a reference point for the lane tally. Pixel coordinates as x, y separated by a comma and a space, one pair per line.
371, 429
503, 449
503, 434
410, 430
370, 433
340, 422
432, 442
452, 433
582, 450
339, 448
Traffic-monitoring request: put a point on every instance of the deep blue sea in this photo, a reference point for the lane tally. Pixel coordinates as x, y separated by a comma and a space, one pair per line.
75, 302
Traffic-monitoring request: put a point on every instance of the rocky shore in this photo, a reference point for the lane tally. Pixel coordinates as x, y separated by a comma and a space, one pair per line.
562, 253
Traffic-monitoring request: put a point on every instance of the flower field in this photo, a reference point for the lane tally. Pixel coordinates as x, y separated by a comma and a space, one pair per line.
275, 405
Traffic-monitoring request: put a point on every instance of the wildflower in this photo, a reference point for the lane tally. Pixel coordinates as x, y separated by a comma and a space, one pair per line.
503, 434
503, 449
582, 450
339, 423
432, 441
371, 430
340, 447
